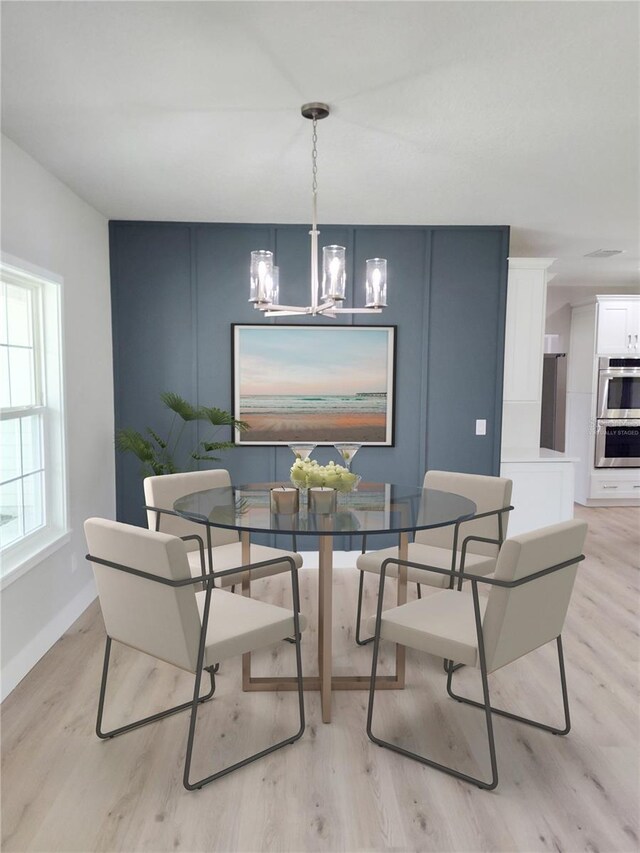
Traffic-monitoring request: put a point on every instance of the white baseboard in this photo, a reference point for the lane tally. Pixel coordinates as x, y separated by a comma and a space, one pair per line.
15, 670
341, 559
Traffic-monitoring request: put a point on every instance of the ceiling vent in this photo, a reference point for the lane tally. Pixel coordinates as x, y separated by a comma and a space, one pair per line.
604, 253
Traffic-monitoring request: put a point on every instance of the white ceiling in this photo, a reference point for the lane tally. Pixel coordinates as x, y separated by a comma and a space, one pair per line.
522, 113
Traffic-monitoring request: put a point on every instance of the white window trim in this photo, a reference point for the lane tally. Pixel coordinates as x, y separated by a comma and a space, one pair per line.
36, 547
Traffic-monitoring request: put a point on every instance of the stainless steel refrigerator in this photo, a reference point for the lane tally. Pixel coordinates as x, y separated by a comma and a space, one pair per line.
554, 400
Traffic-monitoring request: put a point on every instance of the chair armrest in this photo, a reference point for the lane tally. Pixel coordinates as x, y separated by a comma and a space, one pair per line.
201, 548
463, 554
207, 581
499, 512
478, 578
159, 511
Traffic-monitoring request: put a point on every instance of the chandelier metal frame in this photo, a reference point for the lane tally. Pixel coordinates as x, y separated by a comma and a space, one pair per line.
327, 307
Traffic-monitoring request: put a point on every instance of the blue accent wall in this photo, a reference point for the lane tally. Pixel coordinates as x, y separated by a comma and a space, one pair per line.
178, 287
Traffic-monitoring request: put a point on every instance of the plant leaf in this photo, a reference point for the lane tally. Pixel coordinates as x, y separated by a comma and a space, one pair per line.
131, 441
180, 406
208, 446
219, 417
215, 416
159, 441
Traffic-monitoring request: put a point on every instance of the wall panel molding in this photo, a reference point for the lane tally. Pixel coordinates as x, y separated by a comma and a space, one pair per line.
178, 287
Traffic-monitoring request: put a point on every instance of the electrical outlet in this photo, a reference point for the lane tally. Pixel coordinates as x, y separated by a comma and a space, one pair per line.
481, 427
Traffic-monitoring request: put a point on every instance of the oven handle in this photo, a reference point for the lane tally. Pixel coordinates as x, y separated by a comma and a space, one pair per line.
617, 422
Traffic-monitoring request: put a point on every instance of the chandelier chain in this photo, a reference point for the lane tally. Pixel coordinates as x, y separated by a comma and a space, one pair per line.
314, 158
314, 181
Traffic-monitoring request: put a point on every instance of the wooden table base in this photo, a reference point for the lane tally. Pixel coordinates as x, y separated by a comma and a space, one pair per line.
326, 682
313, 682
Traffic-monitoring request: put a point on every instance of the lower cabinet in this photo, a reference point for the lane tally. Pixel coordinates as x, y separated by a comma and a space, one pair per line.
619, 484
543, 490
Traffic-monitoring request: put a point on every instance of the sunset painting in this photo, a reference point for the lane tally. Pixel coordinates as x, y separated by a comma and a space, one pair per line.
322, 384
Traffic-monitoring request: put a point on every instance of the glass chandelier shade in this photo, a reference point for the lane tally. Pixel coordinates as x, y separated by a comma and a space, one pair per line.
334, 275
376, 283
261, 277
328, 296
264, 279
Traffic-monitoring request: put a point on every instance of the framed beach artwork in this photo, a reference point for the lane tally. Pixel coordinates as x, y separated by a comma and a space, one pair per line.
322, 384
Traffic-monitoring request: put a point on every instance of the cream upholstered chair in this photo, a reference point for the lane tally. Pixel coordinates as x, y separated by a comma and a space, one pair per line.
442, 547
149, 602
162, 491
526, 607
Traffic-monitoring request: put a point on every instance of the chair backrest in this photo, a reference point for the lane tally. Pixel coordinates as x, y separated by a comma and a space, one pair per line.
486, 492
162, 491
525, 617
160, 620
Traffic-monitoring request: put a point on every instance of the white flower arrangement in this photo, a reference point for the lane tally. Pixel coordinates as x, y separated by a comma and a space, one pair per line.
307, 473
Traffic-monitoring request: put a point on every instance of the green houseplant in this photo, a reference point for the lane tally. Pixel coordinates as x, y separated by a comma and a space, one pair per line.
161, 455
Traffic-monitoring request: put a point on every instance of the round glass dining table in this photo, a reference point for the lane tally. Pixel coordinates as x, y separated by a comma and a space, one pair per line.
375, 508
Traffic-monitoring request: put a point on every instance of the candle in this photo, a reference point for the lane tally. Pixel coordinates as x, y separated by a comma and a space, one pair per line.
322, 500
285, 500
375, 280
334, 269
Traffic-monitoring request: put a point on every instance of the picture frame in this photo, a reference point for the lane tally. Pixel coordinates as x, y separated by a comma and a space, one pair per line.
314, 383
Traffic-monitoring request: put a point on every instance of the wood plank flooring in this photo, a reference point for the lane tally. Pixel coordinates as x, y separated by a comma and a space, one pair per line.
65, 790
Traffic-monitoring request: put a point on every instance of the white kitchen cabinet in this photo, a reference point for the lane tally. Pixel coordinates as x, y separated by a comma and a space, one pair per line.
618, 326
600, 327
616, 484
543, 487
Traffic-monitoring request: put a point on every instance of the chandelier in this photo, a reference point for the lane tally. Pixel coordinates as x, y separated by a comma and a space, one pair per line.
264, 286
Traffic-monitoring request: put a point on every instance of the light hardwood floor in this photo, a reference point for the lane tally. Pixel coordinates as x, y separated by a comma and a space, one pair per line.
64, 790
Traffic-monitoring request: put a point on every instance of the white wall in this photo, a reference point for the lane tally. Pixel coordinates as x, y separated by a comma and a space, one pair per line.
46, 224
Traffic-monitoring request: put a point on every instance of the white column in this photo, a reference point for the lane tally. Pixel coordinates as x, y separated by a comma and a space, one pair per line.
523, 352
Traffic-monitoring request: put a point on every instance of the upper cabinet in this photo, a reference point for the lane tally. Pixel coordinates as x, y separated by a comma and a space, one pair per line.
618, 330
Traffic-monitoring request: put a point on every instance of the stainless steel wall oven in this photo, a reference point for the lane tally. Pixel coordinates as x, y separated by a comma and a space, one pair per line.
618, 413
619, 388
618, 443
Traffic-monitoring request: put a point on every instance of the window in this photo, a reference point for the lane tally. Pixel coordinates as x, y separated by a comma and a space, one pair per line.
32, 472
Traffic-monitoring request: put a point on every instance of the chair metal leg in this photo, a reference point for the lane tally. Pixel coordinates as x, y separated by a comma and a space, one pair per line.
146, 720
191, 786
419, 590
422, 759
565, 701
481, 783
359, 614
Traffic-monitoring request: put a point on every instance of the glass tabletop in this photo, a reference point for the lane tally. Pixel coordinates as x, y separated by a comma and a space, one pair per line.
373, 508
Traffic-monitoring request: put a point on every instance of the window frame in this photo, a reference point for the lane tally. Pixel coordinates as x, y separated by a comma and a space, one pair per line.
25, 553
